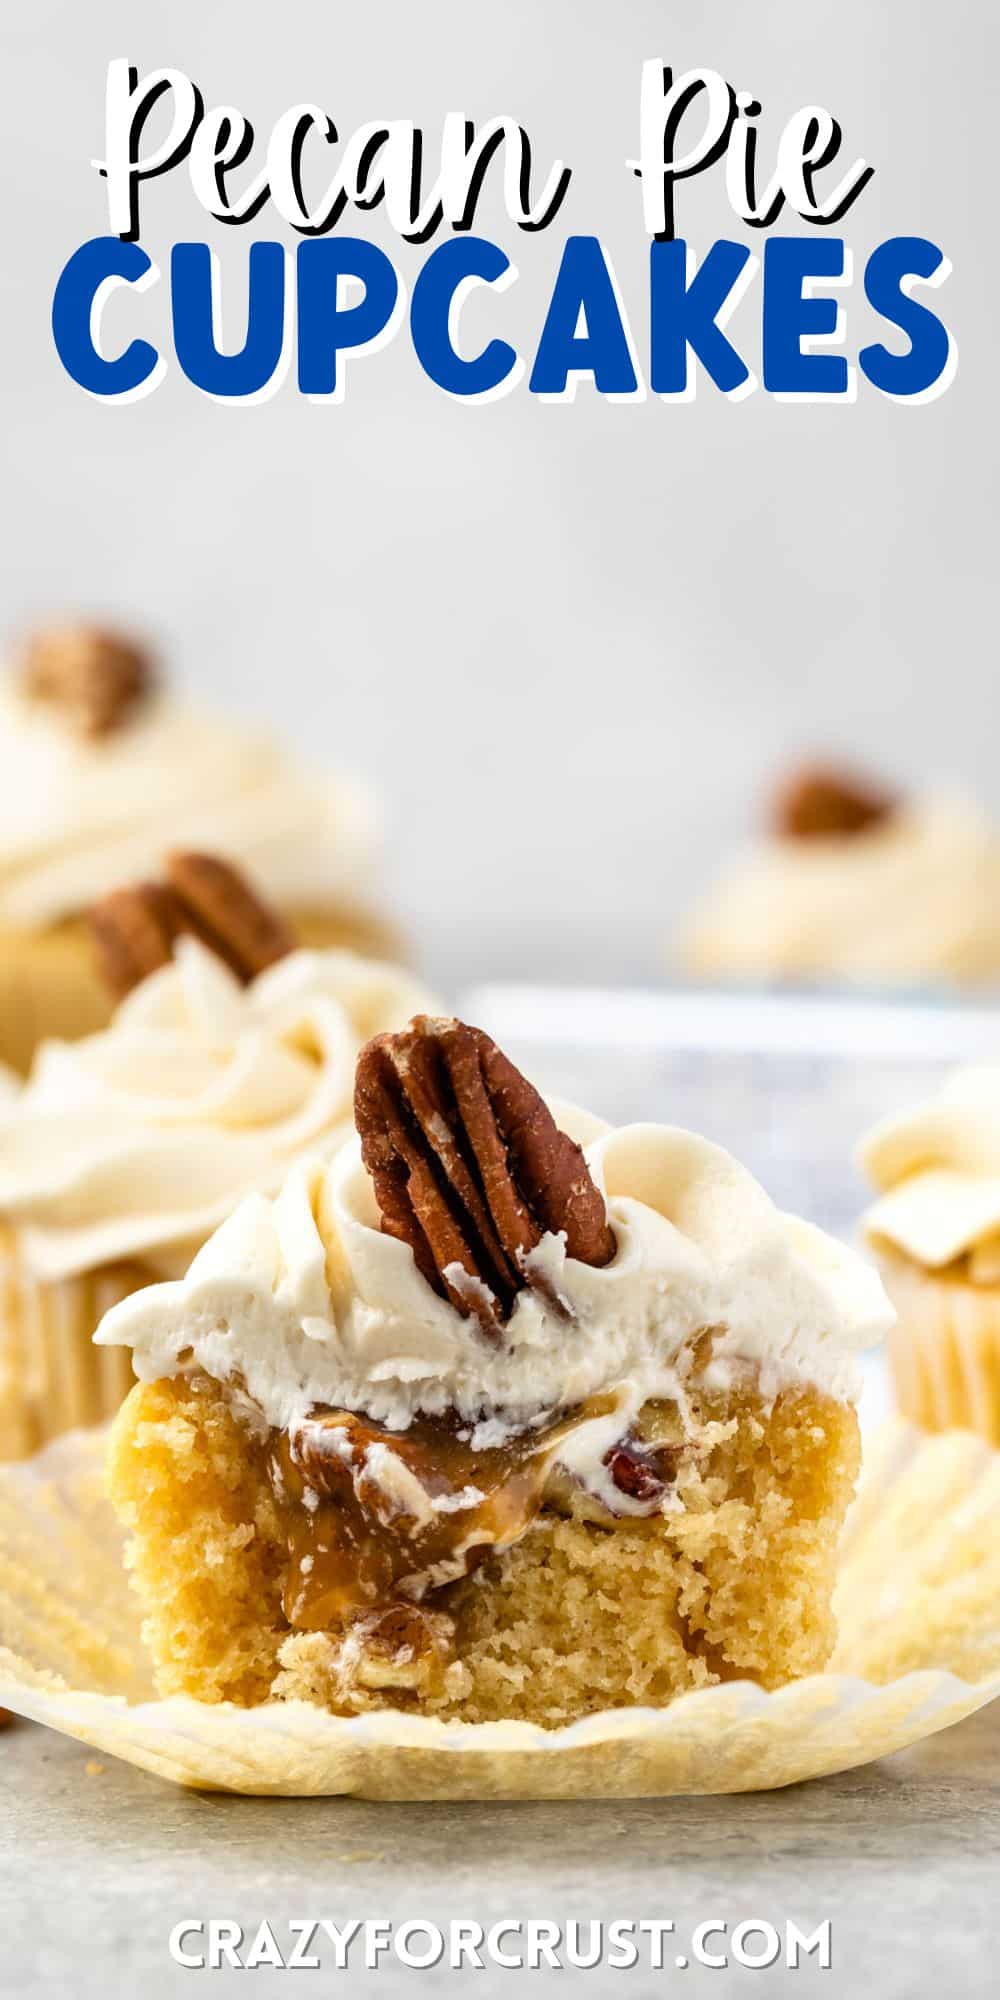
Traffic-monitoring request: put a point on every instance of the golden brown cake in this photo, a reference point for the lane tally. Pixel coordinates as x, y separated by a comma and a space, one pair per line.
848, 883
476, 1422
230, 1056
935, 1229
100, 773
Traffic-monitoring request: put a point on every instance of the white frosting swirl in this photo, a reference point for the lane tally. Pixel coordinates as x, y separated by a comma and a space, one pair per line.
938, 1167
138, 1141
916, 895
303, 1300
80, 817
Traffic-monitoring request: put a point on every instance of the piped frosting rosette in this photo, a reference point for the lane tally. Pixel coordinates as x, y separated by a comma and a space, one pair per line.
306, 1301
937, 1169
138, 1141
914, 895
935, 1227
124, 1151
78, 816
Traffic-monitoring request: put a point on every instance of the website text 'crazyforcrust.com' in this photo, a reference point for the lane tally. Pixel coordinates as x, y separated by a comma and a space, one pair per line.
308, 1944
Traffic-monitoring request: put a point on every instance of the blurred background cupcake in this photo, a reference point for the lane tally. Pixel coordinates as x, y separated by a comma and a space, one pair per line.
935, 1230
230, 1057
851, 882
100, 771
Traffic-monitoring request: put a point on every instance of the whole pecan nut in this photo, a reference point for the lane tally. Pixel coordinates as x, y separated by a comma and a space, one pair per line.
818, 801
222, 908
93, 677
135, 929
469, 1166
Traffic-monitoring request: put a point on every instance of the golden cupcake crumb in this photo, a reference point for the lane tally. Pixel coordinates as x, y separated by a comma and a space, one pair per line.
734, 1582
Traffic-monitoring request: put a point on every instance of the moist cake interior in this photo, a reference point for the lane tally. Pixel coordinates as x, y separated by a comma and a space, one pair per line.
731, 1579
476, 1424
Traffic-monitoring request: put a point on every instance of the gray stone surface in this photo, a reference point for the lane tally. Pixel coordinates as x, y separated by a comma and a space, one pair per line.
97, 1865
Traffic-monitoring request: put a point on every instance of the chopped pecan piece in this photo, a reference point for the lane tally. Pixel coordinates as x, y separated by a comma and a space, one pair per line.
135, 929
95, 678
403, 1646
331, 1452
818, 801
469, 1166
640, 1473
400, 1633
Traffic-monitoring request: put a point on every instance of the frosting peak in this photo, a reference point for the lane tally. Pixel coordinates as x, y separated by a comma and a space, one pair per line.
80, 816
938, 1171
304, 1301
915, 893
138, 1141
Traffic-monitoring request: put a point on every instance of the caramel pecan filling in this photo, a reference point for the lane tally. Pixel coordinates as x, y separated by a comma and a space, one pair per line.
135, 929
470, 1170
818, 802
376, 1519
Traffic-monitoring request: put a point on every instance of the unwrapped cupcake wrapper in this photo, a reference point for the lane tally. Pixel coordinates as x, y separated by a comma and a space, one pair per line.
944, 1351
52, 1377
919, 1608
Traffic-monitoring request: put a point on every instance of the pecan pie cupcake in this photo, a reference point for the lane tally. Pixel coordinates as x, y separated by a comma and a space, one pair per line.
852, 883
100, 772
935, 1230
484, 1422
229, 1057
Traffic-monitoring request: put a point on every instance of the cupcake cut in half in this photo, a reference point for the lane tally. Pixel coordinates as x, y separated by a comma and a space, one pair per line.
101, 769
230, 1055
935, 1229
501, 1414
849, 882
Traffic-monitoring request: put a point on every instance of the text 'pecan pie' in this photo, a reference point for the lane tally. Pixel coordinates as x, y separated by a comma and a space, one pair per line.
502, 1413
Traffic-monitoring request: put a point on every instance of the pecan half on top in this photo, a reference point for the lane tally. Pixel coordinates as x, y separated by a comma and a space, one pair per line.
95, 679
821, 801
469, 1166
135, 929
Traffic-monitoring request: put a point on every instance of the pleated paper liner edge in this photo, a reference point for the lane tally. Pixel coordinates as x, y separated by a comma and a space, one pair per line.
921, 1501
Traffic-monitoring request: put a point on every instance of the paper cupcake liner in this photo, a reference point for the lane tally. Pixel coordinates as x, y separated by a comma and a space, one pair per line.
919, 1605
52, 1377
944, 1352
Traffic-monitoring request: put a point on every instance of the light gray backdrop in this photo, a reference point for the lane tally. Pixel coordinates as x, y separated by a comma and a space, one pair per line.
569, 642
